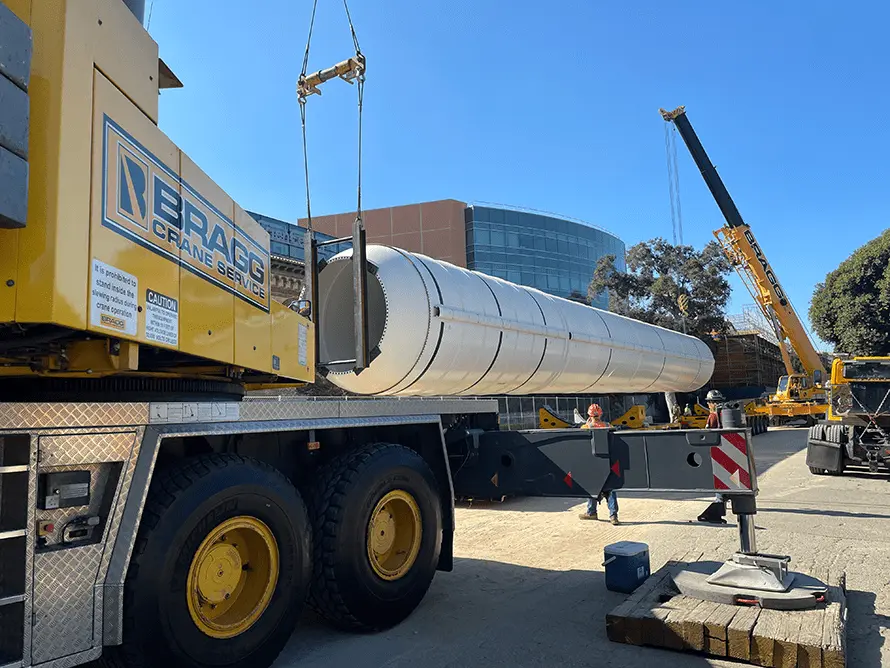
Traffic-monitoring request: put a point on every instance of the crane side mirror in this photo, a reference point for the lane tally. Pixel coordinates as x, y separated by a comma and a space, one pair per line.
304, 308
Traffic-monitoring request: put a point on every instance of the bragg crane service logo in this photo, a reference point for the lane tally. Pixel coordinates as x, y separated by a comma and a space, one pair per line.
770, 276
149, 203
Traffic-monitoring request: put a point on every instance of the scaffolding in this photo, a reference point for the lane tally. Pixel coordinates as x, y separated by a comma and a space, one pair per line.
752, 320
746, 359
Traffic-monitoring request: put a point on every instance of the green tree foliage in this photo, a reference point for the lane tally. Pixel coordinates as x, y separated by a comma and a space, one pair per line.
851, 309
658, 272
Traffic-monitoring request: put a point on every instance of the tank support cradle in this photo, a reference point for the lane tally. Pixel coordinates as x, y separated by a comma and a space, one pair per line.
749, 577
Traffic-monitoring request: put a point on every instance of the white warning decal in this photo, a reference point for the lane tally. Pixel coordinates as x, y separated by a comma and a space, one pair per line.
161, 318
302, 344
113, 299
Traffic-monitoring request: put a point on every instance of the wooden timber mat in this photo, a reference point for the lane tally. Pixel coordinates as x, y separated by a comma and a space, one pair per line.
657, 615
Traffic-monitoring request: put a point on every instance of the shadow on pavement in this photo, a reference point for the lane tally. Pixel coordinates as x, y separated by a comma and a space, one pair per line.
864, 626
826, 513
862, 473
489, 614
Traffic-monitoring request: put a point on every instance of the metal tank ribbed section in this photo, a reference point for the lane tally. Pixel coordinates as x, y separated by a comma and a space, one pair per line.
438, 329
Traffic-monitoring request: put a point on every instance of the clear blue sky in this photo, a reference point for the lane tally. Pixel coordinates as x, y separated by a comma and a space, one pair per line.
554, 106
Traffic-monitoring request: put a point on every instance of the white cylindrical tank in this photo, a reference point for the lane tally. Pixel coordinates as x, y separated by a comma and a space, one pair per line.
438, 329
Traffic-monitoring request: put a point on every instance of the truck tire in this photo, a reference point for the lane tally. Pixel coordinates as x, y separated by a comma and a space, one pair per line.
220, 570
377, 519
756, 425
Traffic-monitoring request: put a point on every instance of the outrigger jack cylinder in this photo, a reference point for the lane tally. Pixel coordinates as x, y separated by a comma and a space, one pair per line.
749, 577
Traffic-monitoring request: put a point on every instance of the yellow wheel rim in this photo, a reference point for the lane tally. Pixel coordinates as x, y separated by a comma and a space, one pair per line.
232, 577
394, 534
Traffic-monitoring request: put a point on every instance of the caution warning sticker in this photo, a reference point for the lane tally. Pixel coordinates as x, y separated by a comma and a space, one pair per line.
113, 299
302, 344
161, 318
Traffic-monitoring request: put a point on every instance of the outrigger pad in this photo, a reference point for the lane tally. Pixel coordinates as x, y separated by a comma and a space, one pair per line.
694, 581
764, 572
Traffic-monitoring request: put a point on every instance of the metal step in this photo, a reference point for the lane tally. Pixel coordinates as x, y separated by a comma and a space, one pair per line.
9, 600
23, 468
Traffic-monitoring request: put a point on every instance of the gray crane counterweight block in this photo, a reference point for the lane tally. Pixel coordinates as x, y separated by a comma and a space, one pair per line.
577, 463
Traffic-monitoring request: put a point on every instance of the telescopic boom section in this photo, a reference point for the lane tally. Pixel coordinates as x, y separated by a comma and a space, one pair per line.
708, 171
745, 253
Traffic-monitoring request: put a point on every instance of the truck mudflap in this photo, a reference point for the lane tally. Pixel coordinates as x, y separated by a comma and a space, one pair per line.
577, 463
825, 456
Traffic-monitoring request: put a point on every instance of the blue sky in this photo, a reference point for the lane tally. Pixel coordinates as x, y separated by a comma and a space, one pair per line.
552, 106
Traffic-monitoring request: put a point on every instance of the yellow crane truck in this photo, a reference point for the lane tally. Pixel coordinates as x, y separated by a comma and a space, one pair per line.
146, 505
151, 514
857, 430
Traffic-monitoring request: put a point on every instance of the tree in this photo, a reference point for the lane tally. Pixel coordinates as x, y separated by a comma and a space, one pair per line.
579, 297
851, 309
657, 274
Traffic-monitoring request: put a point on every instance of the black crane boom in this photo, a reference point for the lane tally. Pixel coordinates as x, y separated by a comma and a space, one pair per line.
703, 162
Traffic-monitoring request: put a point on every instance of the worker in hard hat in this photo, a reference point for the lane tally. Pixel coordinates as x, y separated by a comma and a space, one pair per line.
716, 512
595, 418
595, 421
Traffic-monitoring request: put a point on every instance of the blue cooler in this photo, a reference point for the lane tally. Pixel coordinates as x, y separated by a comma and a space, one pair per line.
627, 565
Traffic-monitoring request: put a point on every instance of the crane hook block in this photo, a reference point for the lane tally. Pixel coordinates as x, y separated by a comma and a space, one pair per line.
349, 70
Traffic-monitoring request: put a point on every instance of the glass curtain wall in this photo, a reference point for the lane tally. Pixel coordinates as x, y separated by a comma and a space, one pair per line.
551, 254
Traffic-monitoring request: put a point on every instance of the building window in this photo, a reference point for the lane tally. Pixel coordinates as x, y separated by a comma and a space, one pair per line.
278, 248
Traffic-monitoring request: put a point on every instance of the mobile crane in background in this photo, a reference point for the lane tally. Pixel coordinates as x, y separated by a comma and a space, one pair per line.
797, 395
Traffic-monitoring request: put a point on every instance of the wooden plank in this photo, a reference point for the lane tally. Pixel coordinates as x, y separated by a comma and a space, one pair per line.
809, 642
787, 647
650, 614
681, 606
834, 648
694, 625
716, 629
763, 638
739, 633
624, 623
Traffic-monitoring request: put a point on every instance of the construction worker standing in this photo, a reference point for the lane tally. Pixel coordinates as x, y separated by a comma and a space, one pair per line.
716, 512
595, 421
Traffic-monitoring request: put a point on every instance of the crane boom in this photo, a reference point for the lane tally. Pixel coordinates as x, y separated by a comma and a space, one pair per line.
747, 256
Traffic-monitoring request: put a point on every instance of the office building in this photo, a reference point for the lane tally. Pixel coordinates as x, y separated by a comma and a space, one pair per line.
554, 254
